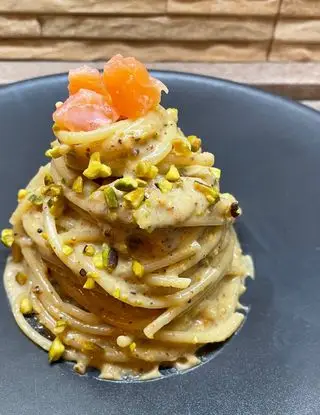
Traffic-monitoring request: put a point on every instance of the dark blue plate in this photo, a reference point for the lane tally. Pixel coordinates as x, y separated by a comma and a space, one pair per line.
269, 152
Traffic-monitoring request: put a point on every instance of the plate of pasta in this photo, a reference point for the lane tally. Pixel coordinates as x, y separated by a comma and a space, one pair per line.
137, 209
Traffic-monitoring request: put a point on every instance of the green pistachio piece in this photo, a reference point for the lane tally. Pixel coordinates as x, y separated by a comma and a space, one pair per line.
137, 269
126, 184
211, 193
96, 169
181, 147
110, 197
164, 185
56, 350
7, 237
135, 198
146, 170
77, 186
173, 174
195, 142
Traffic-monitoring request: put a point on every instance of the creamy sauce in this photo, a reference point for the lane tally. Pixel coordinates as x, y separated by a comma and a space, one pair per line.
191, 269
208, 312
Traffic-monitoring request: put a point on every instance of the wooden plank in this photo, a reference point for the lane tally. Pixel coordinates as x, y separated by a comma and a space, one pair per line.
225, 7
158, 28
300, 8
83, 6
298, 31
151, 51
295, 80
17, 26
295, 52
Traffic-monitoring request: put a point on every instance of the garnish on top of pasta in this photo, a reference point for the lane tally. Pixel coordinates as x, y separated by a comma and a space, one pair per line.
123, 247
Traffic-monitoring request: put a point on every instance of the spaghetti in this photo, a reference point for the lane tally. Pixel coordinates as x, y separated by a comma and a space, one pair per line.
123, 249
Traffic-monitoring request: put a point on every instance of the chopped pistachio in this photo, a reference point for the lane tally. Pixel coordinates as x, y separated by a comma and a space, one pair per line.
60, 327
105, 171
142, 168
26, 306
89, 284
95, 156
55, 152
21, 278
58, 151
7, 237
137, 269
195, 142
48, 153
109, 258
89, 250
152, 172
214, 197
216, 172
56, 205
135, 198
146, 170
48, 179
110, 197
96, 169
58, 104
67, 249
164, 185
78, 185
22, 194
116, 293
36, 200
173, 174
93, 170
126, 184
53, 190
105, 254
56, 350
97, 260
141, 183
132, 347
211, 193
44, 235
181, 147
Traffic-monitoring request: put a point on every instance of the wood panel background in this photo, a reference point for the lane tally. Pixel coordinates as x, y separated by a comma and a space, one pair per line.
161, 30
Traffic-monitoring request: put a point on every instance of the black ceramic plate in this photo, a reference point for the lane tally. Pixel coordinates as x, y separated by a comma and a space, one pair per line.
269, 152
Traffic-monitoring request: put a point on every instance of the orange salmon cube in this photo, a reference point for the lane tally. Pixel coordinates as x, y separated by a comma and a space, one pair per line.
84, 111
